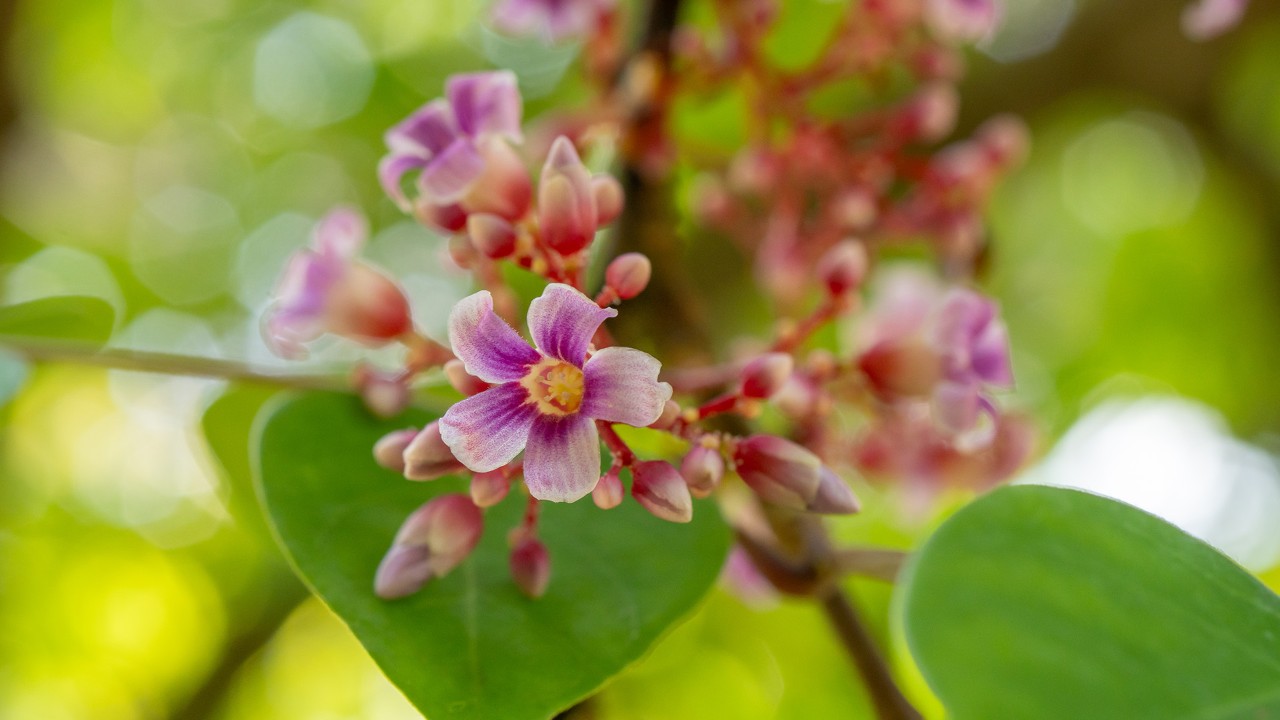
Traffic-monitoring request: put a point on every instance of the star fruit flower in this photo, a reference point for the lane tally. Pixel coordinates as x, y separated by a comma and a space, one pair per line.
545, 399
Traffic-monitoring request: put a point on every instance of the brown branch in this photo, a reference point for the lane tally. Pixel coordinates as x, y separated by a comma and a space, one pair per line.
55, 351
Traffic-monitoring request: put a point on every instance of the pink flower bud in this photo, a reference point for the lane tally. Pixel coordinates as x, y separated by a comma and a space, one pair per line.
963, 20
433, 540
493, 236
609, 491
660, 489
843, 267
670, 413
384, 395
628, 274
448, 218
778, 470
531, 567
368, 306
488, 489
928, 115
427, 457
566, 205
702, 469
834, 496
854, 209
609, 198
503, 188
462, 381
462, 252
765, 375
901, 369
389, 450
1005, 139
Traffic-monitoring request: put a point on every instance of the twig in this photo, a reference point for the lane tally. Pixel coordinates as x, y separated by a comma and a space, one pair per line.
55, 351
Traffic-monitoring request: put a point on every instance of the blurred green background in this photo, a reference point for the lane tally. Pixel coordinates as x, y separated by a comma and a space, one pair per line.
166, 156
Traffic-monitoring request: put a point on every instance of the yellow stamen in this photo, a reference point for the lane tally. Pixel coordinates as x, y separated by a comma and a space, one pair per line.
555, 386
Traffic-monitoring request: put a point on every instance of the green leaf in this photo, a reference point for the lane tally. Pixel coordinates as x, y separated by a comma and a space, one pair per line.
1039, 602
70, 317
470, 645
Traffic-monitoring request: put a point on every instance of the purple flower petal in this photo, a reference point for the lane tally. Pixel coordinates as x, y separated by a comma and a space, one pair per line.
621, 385
562, 322
426, 132
488, 430
488, 347
450, 174
486, 103
392, 169
562, 461
991, 355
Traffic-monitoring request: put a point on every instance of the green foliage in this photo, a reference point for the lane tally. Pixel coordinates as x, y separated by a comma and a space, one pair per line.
470, 645
72, 317
1038, 602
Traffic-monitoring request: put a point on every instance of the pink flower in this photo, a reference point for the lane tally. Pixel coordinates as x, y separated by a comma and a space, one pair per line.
325, 289
545, 399
975, 355
458, 144
1207, 19
554, 20
963, 20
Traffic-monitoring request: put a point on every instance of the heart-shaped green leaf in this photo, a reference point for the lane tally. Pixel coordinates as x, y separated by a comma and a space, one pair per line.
1039, 602
70, 317
470, 645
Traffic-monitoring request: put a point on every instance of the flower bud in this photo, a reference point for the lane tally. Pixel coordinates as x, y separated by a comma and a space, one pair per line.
702, 469
628, 274
531, 567
843, 267
462, 381
834, 496
660, 489
493, 236
670, 413
427, 457
608, 195
433, 540
765, 375
963, 20
901, 369
384, 395
389, 450
566, 205
462, 252
368, 306
778, 470
609, 491
503, 188
447, 218
488, 489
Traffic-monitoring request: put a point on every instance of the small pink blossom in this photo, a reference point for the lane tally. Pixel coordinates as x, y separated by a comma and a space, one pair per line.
459, 147
545, 398
433, 540
325, 289
1207, 19
553, 20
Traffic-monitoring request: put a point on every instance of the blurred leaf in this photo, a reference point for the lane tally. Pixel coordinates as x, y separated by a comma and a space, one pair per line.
470, 645
13, 373
72, 317
228, 428
1051, 603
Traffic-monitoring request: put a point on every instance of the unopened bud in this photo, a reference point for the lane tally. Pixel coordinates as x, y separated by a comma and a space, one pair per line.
462, 381
384, 396
608, 491
462, 252
778, 470
843, 267
834, 496
531, 567
389, 450
427, 457
449, 218
670, 413
503, 188
628, 274
608, 195
906, 369
566, 205
488, 489
660, 489
702, 469
493, 236
368, 306
765, 375
433, 540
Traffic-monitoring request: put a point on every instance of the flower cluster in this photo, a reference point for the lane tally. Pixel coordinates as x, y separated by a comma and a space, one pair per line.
813, 208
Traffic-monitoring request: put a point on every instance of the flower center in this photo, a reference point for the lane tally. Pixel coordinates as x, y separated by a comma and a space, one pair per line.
555, 386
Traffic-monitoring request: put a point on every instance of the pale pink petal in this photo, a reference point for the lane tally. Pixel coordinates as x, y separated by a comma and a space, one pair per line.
486, 103
488, 430
451, 173
562, 461
562, 322
391, 171
340, 233
1207, 19
621, 385
488, 347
